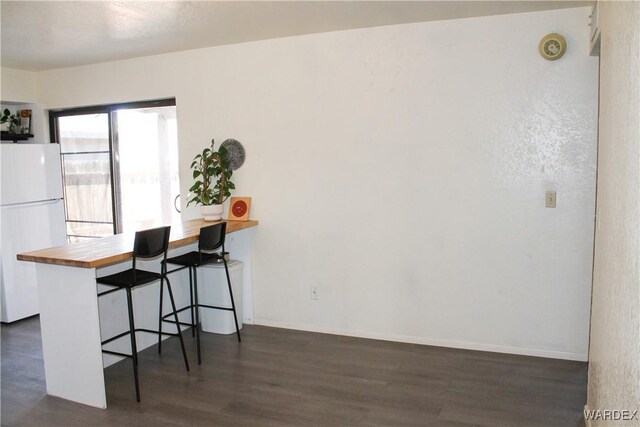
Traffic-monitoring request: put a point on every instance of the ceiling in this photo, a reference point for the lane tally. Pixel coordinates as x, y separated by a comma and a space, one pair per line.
44, 35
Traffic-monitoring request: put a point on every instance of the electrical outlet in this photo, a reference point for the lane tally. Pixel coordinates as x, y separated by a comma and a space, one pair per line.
315, 293
550, 199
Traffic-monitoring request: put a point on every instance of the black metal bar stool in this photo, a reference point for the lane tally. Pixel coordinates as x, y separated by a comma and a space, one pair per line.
147, 244
211, 239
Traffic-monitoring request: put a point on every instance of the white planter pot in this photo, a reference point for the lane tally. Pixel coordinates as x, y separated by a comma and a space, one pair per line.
212, 212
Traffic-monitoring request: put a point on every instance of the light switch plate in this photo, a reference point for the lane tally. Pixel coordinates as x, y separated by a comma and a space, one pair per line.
550, 199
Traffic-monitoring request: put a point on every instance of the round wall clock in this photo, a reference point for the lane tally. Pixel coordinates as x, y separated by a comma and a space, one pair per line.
552, 46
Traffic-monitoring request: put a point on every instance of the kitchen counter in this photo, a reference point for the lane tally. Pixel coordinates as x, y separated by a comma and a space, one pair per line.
74, 321
113, 249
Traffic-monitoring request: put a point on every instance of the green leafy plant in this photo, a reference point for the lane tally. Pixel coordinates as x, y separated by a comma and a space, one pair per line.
11, 118
212, 172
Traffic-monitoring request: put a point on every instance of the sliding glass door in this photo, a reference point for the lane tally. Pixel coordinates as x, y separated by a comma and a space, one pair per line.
147, 168
86, 173
120, 167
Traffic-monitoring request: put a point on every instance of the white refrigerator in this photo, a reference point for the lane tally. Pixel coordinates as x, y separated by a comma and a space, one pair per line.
31, 217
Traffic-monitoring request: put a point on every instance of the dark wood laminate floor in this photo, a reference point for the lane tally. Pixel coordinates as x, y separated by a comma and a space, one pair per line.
281, 377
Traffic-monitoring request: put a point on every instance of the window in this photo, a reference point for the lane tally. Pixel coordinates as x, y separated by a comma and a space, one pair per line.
119, 166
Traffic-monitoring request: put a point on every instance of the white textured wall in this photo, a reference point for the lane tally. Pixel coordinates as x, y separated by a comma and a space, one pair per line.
401, 170
614, 368
18, 85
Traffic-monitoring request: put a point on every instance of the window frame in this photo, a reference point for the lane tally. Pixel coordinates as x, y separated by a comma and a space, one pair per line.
114, 166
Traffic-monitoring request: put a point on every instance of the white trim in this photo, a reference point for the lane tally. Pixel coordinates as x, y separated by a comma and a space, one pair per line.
524, 351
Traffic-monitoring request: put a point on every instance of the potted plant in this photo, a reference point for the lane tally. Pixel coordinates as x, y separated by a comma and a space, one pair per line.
13, 121
212, 173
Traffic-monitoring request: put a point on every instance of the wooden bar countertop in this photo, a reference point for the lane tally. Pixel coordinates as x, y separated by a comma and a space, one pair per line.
112, 249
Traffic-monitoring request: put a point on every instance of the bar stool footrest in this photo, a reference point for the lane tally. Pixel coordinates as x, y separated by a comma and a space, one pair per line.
216, 307
177, 311
115, 353
107, 341
180, 323
149, 331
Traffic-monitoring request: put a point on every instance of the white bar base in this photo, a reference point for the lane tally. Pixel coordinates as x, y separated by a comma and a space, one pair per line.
70, 327
70, 319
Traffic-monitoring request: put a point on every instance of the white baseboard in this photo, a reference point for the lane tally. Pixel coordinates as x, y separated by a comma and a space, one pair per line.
524, 351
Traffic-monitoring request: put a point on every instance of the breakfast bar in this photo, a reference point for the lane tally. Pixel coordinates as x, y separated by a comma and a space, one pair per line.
73, 321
